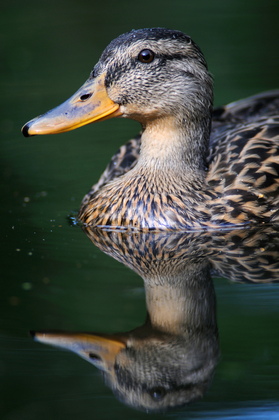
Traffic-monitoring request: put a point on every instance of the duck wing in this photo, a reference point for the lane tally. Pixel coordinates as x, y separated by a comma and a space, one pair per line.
243, 157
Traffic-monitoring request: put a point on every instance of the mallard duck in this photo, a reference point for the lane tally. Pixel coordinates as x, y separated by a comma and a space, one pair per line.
170, 359
182, 178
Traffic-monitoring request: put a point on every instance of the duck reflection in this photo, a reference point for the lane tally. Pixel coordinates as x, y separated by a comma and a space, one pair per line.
170, 360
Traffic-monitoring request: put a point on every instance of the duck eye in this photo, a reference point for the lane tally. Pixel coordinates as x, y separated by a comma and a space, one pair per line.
158, 393
146, 56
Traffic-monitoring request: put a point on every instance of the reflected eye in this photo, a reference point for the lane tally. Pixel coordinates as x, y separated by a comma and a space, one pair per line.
146, 56
157, 394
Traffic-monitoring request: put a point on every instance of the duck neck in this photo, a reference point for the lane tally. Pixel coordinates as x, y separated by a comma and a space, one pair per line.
175, 144
182, 302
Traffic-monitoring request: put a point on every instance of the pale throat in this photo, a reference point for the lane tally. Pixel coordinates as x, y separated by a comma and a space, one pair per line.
169, 144
182, 300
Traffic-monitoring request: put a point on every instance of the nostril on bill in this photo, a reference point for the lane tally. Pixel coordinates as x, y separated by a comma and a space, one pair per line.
85, 96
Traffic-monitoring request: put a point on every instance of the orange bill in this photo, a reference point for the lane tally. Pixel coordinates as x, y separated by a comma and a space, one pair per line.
99, 350
89, 104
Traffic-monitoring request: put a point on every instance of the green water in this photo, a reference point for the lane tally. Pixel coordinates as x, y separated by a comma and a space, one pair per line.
52, 275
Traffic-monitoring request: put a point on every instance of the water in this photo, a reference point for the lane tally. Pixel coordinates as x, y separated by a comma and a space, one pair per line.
53, 277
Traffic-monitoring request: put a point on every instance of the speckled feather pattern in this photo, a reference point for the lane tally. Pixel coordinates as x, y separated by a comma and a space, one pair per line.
242, 179
248, 255
229, 179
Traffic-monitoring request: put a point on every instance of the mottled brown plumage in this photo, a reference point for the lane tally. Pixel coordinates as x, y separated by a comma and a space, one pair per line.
176, 176
248, 255
170, 360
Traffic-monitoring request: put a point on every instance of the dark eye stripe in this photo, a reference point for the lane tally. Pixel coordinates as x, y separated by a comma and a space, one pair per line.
172, 56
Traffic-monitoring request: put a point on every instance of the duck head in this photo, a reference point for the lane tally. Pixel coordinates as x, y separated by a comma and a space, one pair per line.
156, 76
146, 369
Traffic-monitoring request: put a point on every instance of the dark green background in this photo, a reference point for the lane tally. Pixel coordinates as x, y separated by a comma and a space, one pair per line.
52, 277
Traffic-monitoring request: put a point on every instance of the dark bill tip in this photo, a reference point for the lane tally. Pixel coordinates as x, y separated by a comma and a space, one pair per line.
25, 132
33, 334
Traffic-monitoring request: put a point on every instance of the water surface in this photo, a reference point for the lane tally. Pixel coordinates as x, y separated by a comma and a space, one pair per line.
52, 275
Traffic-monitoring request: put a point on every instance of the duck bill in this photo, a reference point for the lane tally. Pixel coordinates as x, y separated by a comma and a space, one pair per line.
89, 104
99, 350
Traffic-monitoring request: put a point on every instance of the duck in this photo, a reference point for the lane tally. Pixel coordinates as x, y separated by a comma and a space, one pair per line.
192, 167
169, 360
